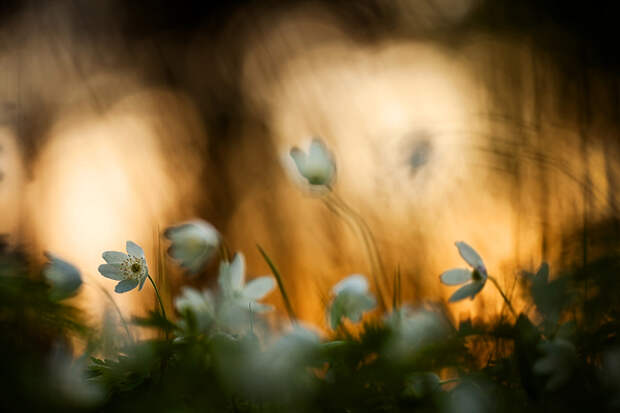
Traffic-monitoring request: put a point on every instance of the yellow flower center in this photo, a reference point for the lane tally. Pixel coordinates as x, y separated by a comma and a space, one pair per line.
133, 268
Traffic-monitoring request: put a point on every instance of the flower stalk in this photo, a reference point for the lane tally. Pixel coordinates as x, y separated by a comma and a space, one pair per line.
338, 206
501, 292
161, 304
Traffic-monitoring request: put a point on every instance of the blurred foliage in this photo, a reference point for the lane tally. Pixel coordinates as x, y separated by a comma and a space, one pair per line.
561, 353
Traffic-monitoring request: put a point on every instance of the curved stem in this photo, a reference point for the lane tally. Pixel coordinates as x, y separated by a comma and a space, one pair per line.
276, 273
161, 304
494, 281
336, 204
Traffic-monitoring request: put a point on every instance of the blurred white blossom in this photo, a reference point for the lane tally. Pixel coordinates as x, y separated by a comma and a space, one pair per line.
64, 278
317, 166
413, 330
284, 363
201, 304
558, 362
351, 300
238, 299
193, 243
68, 378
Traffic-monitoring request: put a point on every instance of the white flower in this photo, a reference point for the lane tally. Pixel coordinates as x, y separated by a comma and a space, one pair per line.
63, 277
290, 350
477, 277
232, 279
130, 269
68, 379
413, 330
193, 243
283, 365
558, 363
317, 166
200, 304
351, 300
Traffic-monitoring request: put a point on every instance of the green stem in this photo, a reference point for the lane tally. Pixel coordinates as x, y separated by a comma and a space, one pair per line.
494, 281
276, 273
161, 304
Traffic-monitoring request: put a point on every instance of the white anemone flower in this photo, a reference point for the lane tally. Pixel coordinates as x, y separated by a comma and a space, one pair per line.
200, 303
69, 381
129, 269
63, 277
558, 362
283, 364
192, 243
413, 330
351, 300
317, 166
474, 278
234, 290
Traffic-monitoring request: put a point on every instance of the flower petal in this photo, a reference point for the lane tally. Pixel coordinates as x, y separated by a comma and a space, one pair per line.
318, 152
111, 271
114, 257
258, 288
223, 278
125, 285
469, 254
349, 305
319, 167
134, 249
64, 278
237, 272
193, 229
300, 159
467, 291
455, 276
260, 307
190, 256
142, 281
355, 283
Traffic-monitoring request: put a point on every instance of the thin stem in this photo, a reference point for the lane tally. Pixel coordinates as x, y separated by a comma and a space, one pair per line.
161, 304
494, 281
337, 205
276, 273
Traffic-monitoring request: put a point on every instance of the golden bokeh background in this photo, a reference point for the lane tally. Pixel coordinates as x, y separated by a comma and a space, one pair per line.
439, 136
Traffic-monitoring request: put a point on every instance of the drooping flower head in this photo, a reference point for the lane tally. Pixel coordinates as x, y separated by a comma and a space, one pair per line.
129, 269
193, 244
473, 279
351, 300
317, 166
63, 277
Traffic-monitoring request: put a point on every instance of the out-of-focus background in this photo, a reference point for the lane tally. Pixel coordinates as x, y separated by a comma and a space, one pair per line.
493, 122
